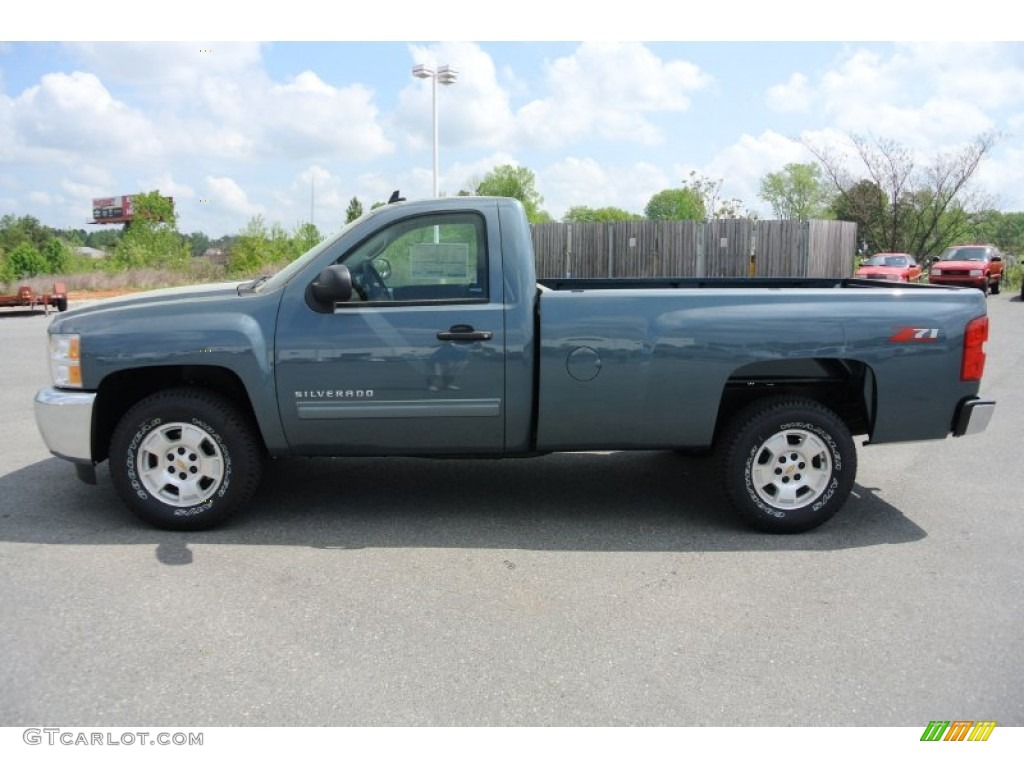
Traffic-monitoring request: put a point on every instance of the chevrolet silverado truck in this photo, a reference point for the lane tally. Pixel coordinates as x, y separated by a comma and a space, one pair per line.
421, 330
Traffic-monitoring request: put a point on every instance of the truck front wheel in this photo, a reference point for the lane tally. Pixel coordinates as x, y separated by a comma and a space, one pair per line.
788, 464
185, 459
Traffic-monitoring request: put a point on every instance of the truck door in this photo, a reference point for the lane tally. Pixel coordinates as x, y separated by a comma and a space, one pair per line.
414, 362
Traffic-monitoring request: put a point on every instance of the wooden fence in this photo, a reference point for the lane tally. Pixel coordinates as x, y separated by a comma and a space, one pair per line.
717, 248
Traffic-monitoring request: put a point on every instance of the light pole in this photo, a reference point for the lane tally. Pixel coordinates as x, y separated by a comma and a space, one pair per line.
446, 76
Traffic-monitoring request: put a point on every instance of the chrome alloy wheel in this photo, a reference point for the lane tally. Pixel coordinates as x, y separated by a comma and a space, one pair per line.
791, 469
180, 464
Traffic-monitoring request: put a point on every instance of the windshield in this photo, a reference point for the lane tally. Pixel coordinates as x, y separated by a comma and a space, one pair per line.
963, 254
887, 261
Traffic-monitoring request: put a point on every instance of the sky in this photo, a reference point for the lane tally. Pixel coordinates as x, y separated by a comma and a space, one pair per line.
261, 121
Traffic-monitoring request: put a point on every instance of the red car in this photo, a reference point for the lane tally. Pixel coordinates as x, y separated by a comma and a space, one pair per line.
977, 266
900, 267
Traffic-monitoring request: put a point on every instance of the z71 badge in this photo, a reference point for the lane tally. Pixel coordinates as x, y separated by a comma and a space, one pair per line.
915, 334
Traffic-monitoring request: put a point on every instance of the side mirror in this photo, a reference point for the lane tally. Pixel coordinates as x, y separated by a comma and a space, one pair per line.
383, 267
332, 285
997, 258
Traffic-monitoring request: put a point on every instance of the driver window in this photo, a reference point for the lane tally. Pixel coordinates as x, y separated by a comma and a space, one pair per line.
439, 257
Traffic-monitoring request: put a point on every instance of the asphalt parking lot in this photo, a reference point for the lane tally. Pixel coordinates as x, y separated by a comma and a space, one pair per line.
582, 589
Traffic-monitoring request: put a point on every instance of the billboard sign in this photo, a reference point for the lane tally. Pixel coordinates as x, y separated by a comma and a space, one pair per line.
112, 210
115, 210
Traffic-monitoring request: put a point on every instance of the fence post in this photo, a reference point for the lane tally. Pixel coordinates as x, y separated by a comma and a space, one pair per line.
611, 249
752, 263
702, 264
804, 255
568, 250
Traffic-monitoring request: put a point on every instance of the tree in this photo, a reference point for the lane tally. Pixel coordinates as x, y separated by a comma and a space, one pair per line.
151, 239
23, 261
198, 243
23, 229
354, 210
582, 213
922, 207
103, 238
709, 191
1005, 230
56, 255
71, 237
249, 251
259, 247
305, 237
798, 191
863, 203
518, 182
676, 205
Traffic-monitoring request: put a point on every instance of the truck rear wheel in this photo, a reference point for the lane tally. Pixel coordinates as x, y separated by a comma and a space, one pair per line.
185, 459
788, 464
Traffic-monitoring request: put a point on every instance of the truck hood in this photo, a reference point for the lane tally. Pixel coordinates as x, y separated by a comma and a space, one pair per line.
148, 305
160, 296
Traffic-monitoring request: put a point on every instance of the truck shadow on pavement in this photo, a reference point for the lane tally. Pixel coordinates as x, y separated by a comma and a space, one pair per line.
630, 502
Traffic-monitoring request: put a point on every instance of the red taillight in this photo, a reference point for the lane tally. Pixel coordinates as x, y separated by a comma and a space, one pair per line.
973, 363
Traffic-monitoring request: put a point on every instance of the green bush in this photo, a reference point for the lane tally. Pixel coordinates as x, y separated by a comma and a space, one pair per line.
1014, 276
24, 261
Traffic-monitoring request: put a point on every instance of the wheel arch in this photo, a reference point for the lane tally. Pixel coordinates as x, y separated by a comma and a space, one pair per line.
843, 385
119, 391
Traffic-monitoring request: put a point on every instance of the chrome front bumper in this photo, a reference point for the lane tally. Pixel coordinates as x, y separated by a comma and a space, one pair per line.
65, 421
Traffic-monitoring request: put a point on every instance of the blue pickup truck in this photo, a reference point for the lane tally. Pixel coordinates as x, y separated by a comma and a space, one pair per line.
422, 330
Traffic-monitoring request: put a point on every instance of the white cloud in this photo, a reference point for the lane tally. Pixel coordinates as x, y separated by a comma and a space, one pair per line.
168, 186
929, 95
226, 194
792, 96
584, 181
168, 69
608, 89
990, 75
217, 106
742, 165
74, 113
308, 118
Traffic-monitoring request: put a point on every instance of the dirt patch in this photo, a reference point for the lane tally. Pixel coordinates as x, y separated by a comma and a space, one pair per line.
106, 294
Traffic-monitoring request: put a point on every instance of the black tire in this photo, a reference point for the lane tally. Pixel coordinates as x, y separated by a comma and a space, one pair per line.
213, 461
62, 304
788, 464
985, 287
995, 287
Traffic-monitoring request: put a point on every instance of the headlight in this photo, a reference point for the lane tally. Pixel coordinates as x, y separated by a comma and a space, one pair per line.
976, 273
65, 360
